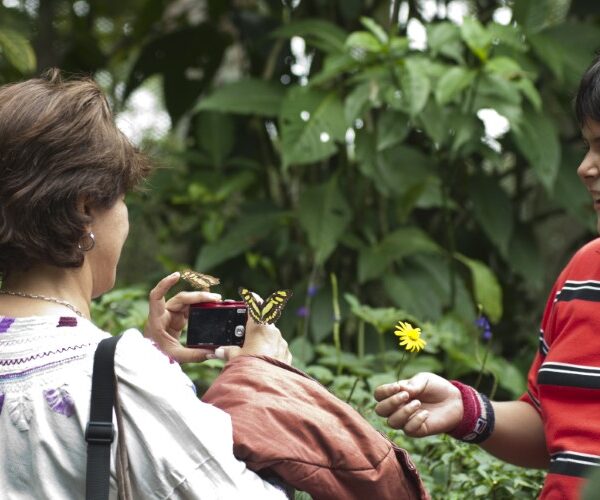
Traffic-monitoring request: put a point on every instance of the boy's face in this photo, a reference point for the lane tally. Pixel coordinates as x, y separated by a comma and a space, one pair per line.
589, 169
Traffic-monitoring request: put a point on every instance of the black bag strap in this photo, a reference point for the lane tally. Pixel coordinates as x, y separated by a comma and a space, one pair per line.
100, 431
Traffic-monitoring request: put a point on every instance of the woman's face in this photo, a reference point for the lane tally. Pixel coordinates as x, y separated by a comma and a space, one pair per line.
110, 228
589, 169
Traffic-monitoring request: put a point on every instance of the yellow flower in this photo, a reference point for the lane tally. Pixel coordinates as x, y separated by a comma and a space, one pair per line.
410, 337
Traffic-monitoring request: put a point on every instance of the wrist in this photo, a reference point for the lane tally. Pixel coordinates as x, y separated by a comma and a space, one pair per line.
477, 423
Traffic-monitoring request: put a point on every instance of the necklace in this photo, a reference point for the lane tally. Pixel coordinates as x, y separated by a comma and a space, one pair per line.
43, 297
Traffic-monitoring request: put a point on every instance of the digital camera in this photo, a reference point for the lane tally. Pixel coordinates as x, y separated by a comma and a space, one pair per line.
213, 324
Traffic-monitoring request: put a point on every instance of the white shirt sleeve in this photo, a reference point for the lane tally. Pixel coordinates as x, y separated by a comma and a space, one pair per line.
178, 446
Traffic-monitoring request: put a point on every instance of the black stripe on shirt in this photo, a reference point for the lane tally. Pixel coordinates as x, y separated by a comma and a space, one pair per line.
573, 464
563, 374
582, 290
543, 346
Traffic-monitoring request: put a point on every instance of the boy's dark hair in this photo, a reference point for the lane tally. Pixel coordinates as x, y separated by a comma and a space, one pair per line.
587, 100
59, 147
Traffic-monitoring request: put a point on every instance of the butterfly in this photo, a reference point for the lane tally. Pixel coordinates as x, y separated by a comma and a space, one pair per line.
198, 280
267, 311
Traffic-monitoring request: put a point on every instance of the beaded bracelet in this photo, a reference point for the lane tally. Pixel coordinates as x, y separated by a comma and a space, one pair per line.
478, 419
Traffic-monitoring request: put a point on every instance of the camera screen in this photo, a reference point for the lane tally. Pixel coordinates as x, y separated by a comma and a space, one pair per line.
215, 326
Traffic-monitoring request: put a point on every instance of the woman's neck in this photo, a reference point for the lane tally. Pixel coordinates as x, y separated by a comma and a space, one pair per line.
68, 285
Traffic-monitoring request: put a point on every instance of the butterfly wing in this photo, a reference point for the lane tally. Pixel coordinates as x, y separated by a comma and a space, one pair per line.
254, 304
198, 280
273, 306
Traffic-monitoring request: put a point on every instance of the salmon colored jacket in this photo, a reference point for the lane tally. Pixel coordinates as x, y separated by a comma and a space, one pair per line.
288, 424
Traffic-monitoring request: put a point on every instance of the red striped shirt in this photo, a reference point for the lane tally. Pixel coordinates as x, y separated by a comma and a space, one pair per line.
564, 378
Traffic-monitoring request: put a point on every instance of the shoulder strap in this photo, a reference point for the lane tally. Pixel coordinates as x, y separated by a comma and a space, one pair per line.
100, 432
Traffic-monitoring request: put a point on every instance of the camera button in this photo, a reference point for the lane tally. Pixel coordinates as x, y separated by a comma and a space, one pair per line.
239, 331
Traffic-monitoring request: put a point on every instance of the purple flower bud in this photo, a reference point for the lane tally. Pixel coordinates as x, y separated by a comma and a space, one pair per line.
312, 290
302, 312
486, 335
483, 323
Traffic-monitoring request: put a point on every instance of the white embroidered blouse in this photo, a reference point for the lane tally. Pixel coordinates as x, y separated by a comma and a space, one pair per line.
178, 446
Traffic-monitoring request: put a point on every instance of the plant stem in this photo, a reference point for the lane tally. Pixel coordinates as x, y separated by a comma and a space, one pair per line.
353, 388
336, 321
483, 362
361, 339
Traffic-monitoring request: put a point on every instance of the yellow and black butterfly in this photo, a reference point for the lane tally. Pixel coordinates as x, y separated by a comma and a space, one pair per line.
267, 311
200, 281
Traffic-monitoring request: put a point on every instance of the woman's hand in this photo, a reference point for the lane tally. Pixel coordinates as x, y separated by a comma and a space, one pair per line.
166, 320
423, 405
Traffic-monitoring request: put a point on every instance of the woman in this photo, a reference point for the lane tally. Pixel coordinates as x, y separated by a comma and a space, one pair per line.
555, 424
64, 171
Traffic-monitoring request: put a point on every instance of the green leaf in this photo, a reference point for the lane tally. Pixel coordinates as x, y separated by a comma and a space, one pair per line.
248, 96
376, 29
509, 35
415, 85
374, 261
168, 55
311, 122
454, 81
392, 127
324, 214
17, 50
537, 139
215, 134
476, 37
486, 288
493, 210
242, 236
322, 34
526, 86
504, 66
302, 349
444, 38
541, 14
362, 41
524, 256
382, 318
356, 101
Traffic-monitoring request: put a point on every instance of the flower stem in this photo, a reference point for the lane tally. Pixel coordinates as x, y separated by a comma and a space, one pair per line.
403, 363
483, 362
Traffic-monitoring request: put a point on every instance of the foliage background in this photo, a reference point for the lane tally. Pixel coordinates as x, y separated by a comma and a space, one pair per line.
313, 146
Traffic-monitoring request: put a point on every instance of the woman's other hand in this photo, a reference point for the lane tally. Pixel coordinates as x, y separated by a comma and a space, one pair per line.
423, 405
167, 318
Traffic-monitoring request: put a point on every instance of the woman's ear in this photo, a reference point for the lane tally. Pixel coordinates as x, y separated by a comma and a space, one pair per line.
84, 209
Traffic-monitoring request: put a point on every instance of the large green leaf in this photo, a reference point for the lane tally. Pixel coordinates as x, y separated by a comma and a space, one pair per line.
241, 236
320, 33
421, 286
454, 81
324, 214
187, 59
415, 84
311, 121
486, 288
248, 96
374, 261
537, 139
537, 15
17, 50
493, 210
215, 134
476, 37
444, 38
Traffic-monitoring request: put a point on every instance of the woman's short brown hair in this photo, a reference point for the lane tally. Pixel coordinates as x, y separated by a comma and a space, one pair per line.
59, 145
